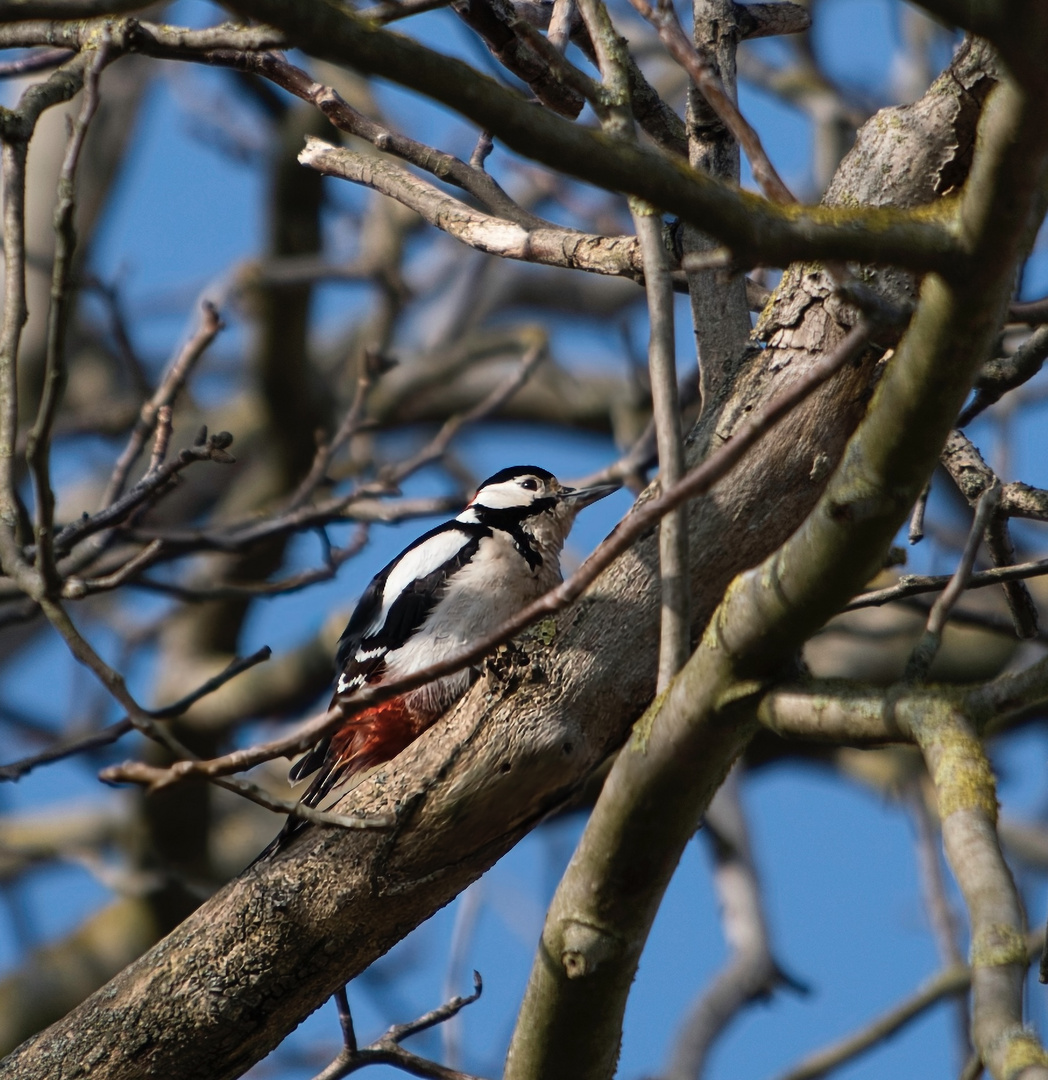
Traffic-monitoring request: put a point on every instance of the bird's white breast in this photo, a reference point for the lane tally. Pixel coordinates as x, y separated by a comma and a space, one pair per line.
478, 598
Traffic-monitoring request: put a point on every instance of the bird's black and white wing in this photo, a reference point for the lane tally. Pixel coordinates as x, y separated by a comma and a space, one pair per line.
393, 606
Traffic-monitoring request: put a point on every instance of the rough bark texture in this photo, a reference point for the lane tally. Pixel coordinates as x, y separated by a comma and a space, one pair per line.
226, 985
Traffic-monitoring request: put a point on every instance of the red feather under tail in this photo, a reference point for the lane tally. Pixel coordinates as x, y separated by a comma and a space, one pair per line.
368, 739
375, 736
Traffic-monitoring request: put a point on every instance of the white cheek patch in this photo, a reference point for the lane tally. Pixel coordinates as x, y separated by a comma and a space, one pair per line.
502, 496
418, 563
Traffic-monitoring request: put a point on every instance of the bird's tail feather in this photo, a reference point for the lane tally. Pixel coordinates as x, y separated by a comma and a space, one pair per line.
363, 742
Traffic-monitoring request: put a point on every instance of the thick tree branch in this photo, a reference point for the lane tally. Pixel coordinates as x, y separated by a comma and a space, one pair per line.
650, 803
967, 801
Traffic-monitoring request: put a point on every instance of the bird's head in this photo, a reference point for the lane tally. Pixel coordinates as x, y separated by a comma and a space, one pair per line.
527, 496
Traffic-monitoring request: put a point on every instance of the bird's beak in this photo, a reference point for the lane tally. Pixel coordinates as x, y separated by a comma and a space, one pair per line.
580, 497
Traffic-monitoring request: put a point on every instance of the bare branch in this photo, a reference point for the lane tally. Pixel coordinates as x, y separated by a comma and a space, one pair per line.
17, 10
973, 477
967, 802
948, 983
38, 443
665, 20
209, 448
675, 627
97, 739
550, 246
387, 1050
179, 370
42, 60
915, 584
17, 127
753, 227
1000, 376
925, 650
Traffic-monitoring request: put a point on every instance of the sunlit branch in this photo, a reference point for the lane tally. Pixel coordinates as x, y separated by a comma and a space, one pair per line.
547, 245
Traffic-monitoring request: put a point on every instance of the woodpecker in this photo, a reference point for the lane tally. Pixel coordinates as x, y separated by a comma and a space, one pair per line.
453, 585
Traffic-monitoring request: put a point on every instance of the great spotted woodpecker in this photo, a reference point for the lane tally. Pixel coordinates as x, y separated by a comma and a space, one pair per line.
453, 585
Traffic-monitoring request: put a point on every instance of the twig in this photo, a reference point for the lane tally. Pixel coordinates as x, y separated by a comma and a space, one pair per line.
1031, 312
916, 584
209, 686
657, 118
467, 914
343, 116
142, 720
40, 60
109, 293
38, 443
351, 424
1000, 376
392, 10
964, 463
949, 982
561, 68
519, 52
675, 619
545, 244
1021, 604
359, 506
626, 533
161, 438
210, 448
94, 740
18, 127
334, 559
75, 588
153, 778
664, 19
927, 647
111, 679
387, 1050
675, 624
560, 24
482, 151
916, 531
494, 401
170, 386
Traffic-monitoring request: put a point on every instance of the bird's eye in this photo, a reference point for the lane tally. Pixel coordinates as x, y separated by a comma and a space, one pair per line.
530, 484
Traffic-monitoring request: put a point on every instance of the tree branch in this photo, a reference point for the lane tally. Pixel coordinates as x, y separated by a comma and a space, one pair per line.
754, 229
